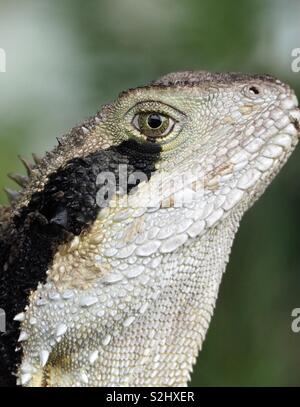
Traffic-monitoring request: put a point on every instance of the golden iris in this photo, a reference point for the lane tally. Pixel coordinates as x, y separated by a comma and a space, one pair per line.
153, 124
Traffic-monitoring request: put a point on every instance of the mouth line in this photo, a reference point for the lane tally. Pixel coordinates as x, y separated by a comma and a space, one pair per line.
263, 148
295, 122
257, 155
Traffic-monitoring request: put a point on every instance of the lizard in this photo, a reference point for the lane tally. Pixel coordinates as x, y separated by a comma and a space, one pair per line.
112, 253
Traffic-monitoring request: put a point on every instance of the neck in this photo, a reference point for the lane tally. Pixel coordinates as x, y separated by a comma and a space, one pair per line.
152, 327
165, 339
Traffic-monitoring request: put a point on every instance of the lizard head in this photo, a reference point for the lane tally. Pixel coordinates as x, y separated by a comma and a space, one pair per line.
134, 214
229, 130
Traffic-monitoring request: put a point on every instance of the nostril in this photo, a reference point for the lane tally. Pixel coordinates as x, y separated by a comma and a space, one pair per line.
254, 90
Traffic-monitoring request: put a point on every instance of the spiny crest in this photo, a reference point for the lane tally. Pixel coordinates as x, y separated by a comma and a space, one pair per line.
22, 180
11, 194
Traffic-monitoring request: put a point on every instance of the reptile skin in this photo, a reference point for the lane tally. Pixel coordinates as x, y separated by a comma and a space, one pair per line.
121, 293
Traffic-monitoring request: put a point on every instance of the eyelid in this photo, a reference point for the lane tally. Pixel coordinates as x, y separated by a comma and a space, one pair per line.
135, 121
155, 106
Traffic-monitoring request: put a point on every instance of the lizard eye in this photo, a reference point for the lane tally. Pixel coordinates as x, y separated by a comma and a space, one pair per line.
153, 125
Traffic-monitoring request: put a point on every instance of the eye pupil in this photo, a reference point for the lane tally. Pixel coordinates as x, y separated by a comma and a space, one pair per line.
154, 121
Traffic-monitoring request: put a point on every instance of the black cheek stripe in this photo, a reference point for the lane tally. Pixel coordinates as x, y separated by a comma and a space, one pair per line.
64, 208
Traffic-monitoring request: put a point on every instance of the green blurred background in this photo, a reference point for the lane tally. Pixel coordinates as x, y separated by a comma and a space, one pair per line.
66, 58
